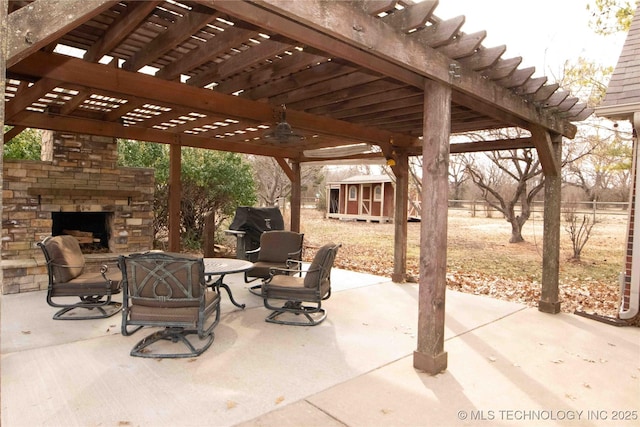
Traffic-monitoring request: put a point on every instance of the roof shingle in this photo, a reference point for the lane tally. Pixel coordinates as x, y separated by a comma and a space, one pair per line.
624, 88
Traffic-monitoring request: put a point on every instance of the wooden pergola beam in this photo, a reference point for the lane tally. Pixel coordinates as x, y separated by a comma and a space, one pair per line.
376, 48
120, 29
117, 130
189, 23
43, 21
76, 71
495, 145
12, 133
28, 97
204, 53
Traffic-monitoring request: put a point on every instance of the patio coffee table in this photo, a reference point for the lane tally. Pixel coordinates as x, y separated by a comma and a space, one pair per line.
221, 267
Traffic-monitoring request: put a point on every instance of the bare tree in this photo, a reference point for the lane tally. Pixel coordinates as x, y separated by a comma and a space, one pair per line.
273, 184
603, 171
271, 181
509, 183
579, 229
458, 176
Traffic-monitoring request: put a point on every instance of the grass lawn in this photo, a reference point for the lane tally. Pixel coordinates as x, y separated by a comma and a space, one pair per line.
481, 260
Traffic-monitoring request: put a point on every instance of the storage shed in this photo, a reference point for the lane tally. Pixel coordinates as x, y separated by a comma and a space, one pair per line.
363, 198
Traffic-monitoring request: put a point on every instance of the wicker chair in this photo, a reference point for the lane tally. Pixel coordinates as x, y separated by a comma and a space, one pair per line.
303, 295
68, 278
278, 249
168, 291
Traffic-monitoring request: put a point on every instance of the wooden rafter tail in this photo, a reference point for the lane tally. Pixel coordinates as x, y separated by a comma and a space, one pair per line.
574, 111
376, 7
518, 78
545, 92
556, 99
464, 45
503, 68
532, 86
439, 33
483, 58
567, 104
583, 115
412, 17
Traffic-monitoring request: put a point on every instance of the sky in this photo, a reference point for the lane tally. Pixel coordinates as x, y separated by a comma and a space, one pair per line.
545, 33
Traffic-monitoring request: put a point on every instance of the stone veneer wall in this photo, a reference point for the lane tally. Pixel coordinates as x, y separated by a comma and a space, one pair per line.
81, 177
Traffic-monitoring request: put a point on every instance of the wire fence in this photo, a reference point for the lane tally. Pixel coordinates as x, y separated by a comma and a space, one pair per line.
595, 208
482, 208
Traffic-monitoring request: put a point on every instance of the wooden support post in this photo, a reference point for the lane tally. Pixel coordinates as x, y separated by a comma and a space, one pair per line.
175, 194
549, 302
209, 244
4, 10
400, 217
296, 196
430, 355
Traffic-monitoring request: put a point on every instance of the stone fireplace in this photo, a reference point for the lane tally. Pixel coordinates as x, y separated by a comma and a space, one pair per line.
91, 229
78, 190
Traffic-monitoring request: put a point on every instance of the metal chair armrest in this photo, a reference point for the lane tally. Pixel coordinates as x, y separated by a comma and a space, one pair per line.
295, 254
294, 264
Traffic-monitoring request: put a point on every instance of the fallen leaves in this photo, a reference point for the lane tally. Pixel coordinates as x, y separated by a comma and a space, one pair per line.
505, 273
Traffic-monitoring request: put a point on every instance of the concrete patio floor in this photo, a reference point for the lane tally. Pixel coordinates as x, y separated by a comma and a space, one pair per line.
508, 365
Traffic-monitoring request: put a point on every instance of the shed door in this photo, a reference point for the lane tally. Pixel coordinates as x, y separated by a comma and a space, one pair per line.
365, 201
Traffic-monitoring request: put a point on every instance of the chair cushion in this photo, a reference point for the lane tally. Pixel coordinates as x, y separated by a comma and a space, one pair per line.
88, 284
263, 268
293, 288
315, 272
186, 315
275, 246
66, 258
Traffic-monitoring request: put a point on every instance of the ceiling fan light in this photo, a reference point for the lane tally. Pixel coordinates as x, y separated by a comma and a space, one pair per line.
283, 131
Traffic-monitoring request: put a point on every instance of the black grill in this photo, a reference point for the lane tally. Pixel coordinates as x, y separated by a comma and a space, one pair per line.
253, 222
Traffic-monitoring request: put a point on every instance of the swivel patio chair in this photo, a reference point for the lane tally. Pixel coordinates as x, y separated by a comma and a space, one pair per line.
278, 249
68, 278
303, 295
168, 291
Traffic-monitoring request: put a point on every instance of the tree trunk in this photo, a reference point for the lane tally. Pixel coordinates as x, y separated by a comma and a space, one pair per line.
516, 231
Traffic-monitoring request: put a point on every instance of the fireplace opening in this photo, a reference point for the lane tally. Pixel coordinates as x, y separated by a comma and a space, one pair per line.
91, 229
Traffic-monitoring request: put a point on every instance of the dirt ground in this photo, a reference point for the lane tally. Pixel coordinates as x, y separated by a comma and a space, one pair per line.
480, 259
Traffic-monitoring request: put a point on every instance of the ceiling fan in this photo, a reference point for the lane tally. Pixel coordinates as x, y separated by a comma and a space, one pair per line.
283, 133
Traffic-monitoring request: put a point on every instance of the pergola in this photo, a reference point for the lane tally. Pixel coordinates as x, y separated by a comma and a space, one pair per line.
363, 79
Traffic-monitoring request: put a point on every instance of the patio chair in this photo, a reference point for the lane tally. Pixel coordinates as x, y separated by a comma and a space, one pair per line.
68, 278
278, 249
168, 291
311, 289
